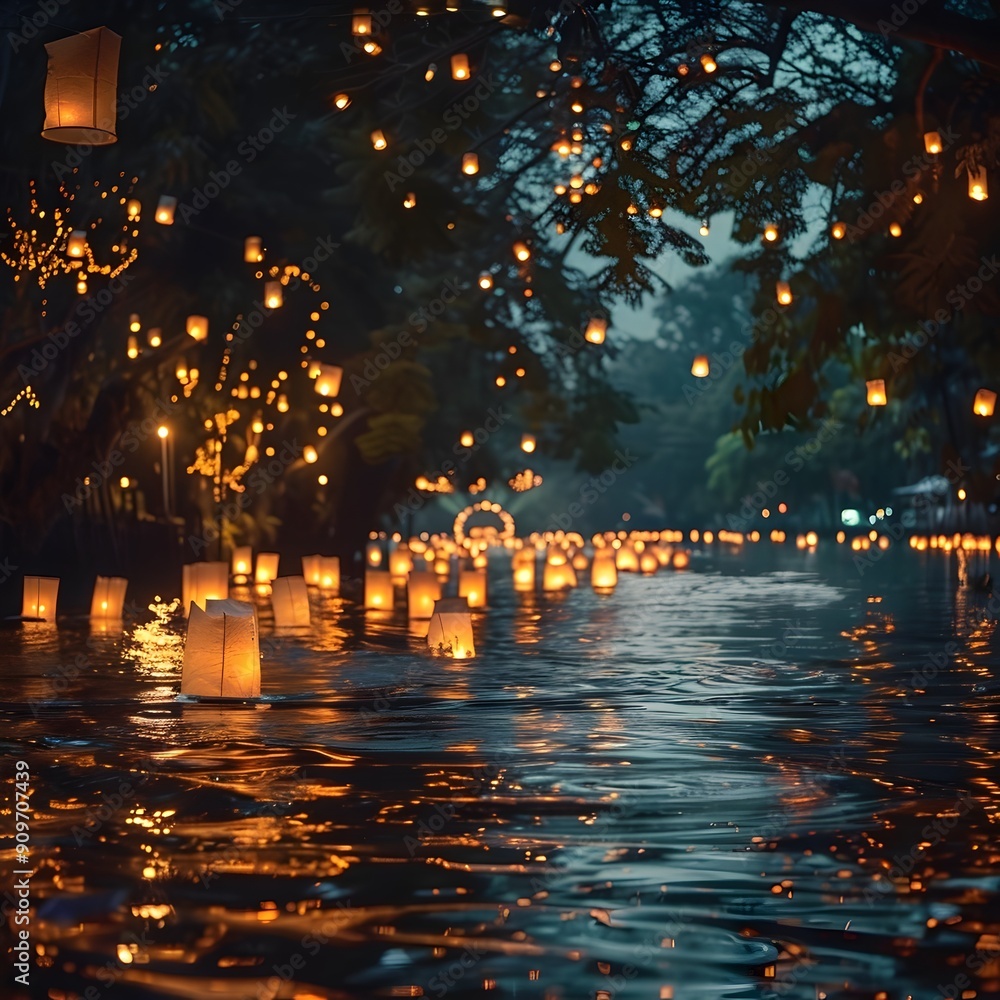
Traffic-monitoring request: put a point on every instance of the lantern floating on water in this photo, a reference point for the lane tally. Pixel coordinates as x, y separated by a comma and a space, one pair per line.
241, 562
450, 632
40, 593
680, 560
627, 559
109, 597
267, 568
596, 330
197, 327
222, 651
374, 554
76, 244
253, 249
523, 567
290, 601
273, 295
203, 582
603, 571
132, 350
400, 563
328, 380
558, 576
460, 66
329, 573
165, 210
378, 589
932, 143
648, 563
699, 367
978, 187
472, 586
986, 400
876, 392
81, 88
422, 590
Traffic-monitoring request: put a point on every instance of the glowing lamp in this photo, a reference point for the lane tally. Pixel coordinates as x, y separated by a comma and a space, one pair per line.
680, 560
165, 210
328, 378
290, 601
708, 64
40, 593
470, 164
422, 590
400, 563
627, 559
133, 208
378, 589
876, 392
472, 586
784, 293
222, 652
132, 350
521, 251
329, 573
374, 554
528, 443
253, 249
378, 139
770, 233
273, 295
978, 188
361, 22
648, 563
76, 244
523, 567
460, 66
81, 88
450, 634
603, 572
986, 400
838, 230
197, 327
596, 329
699, 367
155, 336
558, 576
341, 101
466, 439
267, 567
485, 280
932, 143
241, 562
203, 582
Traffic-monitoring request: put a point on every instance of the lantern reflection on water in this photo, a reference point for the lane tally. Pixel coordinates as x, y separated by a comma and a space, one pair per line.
222, 653
109, 597
290, 601
40, 593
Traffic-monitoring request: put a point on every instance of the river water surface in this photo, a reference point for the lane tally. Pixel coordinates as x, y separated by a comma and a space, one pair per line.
768, 776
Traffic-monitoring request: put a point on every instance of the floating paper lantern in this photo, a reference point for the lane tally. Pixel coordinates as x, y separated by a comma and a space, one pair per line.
784, 293
450, 633
242, 562
373, 554
76, 244
680, 560
253, 249
197, 327
400, 563
222, 651
978, 187
603, 572
699, 367
986, 400
81, 88
290, 601
932, 143
627, 559
485, 280
109, 597
558, 576
165, 210
378, 589
273, 296
876, 392
470, 164
422, 590
203, 582
267, 568
472, 586
596, 330
328, 379
523, 566
648, 563
310, 570
40, 593
460, 66
329, 573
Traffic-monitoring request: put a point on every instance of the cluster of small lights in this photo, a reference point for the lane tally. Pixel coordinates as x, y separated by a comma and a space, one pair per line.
524, 481
66, 250
507, 530
479, 486
440, 485
27, 394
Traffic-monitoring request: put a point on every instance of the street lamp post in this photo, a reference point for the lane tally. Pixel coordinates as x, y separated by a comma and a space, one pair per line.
164, 432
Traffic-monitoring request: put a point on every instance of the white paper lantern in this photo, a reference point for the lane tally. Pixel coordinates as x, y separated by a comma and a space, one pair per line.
290, 601
472, 586
422, 590
222, 652
450, 633
267, 567
109, 597
378, 590
202, 582
40, 593
242, 563
81, 88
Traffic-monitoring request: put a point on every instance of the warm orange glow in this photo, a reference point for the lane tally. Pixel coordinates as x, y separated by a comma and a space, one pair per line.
596, 329
984, 403
876, 392
932, 143
699, 367
784, 293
